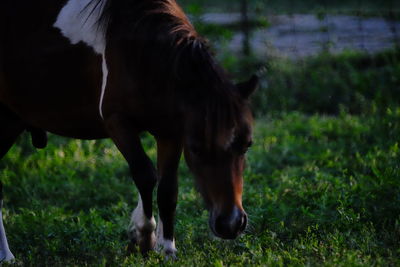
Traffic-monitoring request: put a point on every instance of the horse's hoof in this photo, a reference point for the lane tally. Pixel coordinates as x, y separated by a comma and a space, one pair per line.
141, 242
6, 257
147, 243
170, 255
132, 248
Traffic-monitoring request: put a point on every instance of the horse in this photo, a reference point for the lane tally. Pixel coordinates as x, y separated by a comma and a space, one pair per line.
93, 69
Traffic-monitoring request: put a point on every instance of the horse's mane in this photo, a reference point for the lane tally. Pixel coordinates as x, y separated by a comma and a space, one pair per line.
190, 62
179, 24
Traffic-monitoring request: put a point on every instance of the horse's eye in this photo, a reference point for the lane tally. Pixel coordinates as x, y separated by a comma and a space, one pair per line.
249, 144
246, 148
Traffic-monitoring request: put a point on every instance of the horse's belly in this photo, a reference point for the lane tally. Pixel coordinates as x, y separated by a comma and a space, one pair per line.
81, 122
64, 106
60, 93
47, 81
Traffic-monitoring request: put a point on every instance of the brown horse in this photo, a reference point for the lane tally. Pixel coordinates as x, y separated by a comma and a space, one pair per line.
93, 69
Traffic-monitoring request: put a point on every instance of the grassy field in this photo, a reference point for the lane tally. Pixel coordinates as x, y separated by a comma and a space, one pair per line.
318, 190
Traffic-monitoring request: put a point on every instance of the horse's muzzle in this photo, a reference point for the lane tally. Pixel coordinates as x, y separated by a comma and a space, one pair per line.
228, 226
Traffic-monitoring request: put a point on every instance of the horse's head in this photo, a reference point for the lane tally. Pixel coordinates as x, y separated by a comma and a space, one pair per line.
216, 141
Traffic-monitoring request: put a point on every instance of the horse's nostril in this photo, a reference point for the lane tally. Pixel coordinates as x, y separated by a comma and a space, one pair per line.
229, 227
243, 223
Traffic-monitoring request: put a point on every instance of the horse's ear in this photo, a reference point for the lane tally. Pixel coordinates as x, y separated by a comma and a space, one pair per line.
248, 88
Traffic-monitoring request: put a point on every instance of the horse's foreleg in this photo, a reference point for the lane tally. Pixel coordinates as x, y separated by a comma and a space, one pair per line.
11, 127
144, 175
169, 152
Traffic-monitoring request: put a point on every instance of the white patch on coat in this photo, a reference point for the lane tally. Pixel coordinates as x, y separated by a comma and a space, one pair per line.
77, 21
5, 253
140, 222
164, 244
104, 84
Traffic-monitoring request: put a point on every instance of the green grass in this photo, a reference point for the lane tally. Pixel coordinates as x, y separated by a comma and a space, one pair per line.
319, 190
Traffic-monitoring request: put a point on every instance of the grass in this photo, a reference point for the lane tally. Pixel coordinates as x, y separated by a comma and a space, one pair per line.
319, 190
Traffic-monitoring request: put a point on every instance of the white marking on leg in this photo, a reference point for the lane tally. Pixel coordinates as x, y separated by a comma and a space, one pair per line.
168, 246
140, 222
78, 21
5, 253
